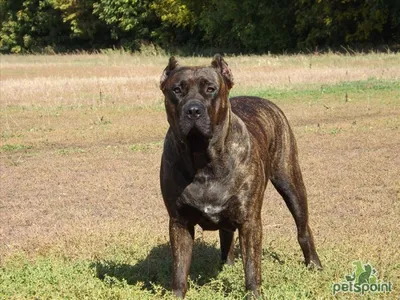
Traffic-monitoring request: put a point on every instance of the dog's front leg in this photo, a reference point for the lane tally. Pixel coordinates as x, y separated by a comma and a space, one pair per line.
250, 236
181, 236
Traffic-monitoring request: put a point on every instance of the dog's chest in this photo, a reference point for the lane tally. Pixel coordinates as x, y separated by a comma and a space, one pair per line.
210, 203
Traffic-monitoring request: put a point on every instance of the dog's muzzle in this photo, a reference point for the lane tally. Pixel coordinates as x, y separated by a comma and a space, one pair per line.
195, 117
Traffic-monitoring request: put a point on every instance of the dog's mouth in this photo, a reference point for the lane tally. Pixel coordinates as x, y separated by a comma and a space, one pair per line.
198, 128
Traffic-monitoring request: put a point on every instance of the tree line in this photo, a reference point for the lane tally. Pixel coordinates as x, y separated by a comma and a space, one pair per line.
188, 26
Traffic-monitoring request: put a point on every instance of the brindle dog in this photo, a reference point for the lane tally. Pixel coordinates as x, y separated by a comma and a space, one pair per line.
219, 154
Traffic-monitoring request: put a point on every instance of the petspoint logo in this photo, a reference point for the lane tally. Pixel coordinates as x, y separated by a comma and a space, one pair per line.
363, 280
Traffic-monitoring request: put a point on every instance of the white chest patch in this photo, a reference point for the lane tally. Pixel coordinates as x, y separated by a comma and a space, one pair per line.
212, 210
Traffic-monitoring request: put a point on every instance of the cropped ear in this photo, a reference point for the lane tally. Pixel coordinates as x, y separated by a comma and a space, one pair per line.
172, 64
221, 66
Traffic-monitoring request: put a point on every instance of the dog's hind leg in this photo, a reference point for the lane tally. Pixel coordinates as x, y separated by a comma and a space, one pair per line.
288, 181
250, 236
227, 246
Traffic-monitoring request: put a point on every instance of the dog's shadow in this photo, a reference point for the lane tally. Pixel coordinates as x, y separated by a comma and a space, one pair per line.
156, 268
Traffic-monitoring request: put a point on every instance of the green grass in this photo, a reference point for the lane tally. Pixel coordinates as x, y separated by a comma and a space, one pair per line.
146, 146
135, 272
67, 151
353, 90
11, 148
55, 278
137, 277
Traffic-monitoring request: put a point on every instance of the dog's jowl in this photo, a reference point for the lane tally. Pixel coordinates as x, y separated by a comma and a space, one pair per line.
219, 155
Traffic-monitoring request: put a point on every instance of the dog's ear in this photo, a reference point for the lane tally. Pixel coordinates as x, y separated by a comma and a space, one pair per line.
172, 64
221, 66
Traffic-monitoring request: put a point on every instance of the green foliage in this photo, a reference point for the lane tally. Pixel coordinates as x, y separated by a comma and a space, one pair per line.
344, 22
231, 26
131, 21
30, 25
177, 23
79, 15
249, 26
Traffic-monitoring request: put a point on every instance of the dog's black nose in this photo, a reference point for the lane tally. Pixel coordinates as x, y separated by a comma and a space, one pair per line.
194, 111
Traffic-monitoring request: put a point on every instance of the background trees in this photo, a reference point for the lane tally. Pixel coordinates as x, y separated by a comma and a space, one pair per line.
245, 26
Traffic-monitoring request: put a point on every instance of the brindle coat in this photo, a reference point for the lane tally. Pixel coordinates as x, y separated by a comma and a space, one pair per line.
218, 157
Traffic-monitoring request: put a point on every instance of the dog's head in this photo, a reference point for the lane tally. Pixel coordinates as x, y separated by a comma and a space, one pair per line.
196, 98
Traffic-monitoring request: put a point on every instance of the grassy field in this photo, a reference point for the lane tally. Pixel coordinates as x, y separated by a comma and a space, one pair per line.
81, 214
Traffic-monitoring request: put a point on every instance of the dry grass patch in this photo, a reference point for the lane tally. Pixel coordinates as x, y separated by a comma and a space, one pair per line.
133, 80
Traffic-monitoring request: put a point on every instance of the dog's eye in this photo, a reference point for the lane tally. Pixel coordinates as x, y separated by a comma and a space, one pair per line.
210, 89
177, 90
